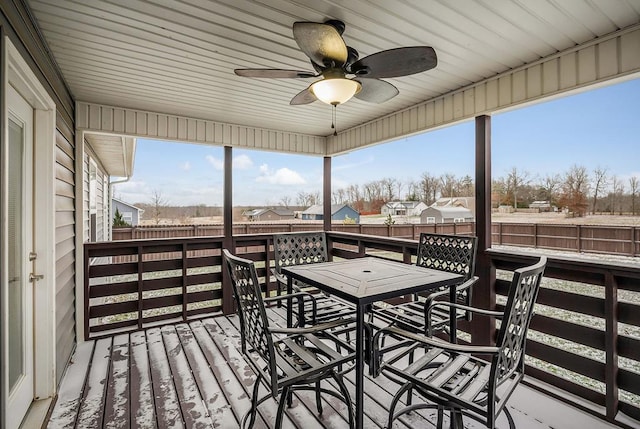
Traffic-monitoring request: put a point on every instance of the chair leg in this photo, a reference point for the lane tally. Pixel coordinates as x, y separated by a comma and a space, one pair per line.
456, 419
347, 398
440, 416
318, 398
394, 401
284, 397
254, 405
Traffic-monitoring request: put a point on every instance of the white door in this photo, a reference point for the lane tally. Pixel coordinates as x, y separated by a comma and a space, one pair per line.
20, 294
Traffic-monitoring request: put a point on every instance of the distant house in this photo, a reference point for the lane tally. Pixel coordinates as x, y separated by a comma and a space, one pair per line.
403, 208
269, 213
130, 213
338, 212
466, 202
542, 206
446, 214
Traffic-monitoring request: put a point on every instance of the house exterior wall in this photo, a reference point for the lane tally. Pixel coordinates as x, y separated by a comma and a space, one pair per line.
16, 24
124, 209
101, 190
344, 212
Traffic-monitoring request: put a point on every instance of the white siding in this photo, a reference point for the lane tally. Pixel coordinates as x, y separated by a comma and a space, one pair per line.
98, 118
606, 58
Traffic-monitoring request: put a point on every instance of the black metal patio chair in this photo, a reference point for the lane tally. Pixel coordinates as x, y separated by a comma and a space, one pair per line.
451, 253
307, 248
451, 376
285, 359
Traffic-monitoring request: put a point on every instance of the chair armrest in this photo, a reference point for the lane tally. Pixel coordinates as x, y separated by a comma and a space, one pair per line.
312, 329
297, 295
279, 277
452, 306
445, 292
405, 336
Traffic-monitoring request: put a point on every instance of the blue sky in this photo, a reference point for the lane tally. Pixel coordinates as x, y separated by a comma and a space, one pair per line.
598, 128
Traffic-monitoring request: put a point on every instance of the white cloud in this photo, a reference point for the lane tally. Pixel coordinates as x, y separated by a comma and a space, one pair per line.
240, 162
218, 164
185, 166
282, 176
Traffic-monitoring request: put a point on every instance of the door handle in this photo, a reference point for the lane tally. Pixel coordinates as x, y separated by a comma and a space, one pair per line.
35, 277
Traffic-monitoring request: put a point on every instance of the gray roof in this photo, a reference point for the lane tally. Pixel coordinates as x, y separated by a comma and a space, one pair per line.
280, 211
451, 211
127, 204
318, 210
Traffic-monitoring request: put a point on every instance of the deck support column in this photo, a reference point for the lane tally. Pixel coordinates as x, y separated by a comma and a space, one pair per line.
326, 194
227, 215
484, 294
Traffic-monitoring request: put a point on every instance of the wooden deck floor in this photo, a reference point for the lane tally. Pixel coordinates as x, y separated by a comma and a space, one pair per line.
195, 376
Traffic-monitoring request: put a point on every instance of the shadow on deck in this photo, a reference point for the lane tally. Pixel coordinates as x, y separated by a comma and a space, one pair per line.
195, 376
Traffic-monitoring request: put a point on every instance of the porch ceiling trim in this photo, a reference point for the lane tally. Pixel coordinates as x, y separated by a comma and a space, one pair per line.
99, 118
614, 56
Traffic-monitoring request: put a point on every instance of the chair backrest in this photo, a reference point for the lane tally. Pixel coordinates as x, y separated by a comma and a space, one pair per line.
518, 312
253, 317
451, 253
299, 248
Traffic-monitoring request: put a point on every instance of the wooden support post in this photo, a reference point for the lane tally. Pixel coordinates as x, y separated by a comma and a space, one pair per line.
227, 212
326, 194
611, 345
484, 296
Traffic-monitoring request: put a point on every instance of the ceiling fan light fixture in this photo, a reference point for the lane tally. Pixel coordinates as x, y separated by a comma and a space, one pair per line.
335, 90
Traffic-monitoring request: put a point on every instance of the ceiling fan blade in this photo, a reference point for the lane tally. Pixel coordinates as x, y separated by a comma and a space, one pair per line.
274, 73
396, 62
321, 42
303, 97
376, 91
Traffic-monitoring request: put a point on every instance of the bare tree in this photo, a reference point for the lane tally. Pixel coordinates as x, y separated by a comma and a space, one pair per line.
448, 185
575, 189
389, 186
550, 186
285, 201
615, 193
633, 188
600, 181
429, 188
517, 179
615, 196
158, 205
339, 196
465, 186
413, 193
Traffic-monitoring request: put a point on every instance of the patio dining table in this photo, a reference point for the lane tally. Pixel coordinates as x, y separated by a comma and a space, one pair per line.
363, 281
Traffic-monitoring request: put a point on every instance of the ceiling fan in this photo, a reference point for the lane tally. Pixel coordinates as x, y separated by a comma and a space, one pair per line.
343, 75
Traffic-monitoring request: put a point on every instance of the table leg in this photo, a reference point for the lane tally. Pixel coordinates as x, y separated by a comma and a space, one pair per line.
359, 367
289, 302
453, 325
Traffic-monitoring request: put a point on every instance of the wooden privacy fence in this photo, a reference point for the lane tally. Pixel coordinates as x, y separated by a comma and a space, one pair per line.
613, 240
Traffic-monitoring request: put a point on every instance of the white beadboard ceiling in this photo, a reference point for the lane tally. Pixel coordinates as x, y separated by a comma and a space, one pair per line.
177, 56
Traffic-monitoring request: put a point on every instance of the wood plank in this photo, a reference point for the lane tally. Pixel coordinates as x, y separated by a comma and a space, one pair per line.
194, 412
234, 392
116, 413
169, 414
92, 407
143, 413
67, 405
227, 339
219, 409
